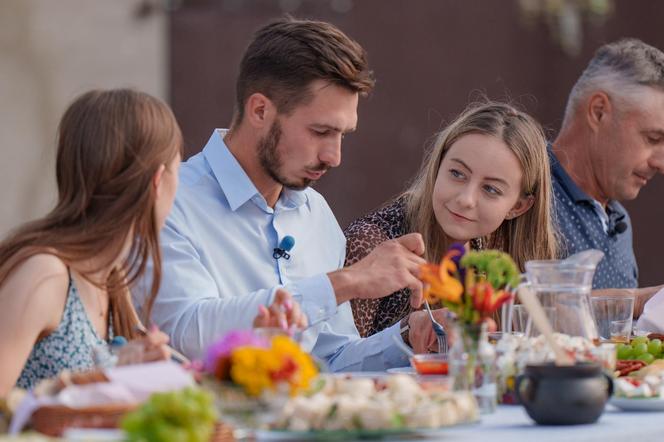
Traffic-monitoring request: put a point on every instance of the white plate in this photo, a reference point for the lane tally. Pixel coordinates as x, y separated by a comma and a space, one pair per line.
638, 404
343, 435
403, 370
359, 374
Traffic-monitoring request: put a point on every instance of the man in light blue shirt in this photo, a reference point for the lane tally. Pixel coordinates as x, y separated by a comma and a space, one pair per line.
297, 96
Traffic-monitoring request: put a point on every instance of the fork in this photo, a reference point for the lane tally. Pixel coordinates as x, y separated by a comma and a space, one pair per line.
439, 330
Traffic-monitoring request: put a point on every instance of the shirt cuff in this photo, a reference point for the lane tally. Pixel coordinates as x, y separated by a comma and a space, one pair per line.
316, 297
393, 355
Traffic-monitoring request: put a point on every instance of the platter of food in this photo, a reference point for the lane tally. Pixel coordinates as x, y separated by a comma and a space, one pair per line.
332, 435
639, 385
638, 404
356, 407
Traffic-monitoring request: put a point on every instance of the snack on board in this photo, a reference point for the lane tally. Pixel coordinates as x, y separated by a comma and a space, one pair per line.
646, 382
641, 348
625, 367
389, 403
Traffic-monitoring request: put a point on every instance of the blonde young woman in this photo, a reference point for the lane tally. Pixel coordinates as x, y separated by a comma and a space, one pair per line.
65, 278
485, 183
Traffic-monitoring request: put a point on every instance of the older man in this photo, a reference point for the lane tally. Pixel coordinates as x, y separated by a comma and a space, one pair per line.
610, 145
245, 221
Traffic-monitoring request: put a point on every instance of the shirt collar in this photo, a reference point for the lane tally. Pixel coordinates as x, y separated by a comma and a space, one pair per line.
566, 182
234, 181
574, 191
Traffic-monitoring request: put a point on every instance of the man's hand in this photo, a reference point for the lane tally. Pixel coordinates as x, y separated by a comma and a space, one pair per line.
282, 313
641, 296
390, 267
421, 335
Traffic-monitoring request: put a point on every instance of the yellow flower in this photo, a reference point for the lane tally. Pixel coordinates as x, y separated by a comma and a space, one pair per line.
305, 371
250, 368
257, 369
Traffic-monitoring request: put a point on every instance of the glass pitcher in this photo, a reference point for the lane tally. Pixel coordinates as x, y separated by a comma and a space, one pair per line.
563, 287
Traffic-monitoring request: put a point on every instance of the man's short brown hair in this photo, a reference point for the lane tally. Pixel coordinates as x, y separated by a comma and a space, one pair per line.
286, 55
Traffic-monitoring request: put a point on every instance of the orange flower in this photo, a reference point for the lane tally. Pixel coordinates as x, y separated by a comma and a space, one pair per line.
442, 284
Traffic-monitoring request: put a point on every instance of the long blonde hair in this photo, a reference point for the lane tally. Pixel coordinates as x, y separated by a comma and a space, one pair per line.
110, 145
529, 236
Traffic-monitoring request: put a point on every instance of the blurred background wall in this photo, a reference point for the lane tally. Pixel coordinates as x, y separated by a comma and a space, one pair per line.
430, 57
51, 51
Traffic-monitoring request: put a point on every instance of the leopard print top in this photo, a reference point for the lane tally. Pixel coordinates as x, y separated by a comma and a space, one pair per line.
362, 236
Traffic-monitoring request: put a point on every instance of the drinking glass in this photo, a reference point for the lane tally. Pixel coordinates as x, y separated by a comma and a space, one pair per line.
519, 319
620, 331
613, 315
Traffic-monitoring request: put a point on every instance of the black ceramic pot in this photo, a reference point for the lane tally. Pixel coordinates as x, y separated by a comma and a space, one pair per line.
569, 395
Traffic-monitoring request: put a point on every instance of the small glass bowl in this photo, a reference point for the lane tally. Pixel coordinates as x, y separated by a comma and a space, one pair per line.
430, 364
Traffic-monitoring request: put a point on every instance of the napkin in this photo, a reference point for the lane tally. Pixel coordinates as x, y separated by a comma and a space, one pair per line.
652, 318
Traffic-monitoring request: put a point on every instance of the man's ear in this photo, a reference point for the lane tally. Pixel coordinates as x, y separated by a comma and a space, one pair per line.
598, 110
259, 111
522, 206
156, 180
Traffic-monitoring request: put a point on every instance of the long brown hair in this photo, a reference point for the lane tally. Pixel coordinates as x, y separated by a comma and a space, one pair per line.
110, 145
529, 236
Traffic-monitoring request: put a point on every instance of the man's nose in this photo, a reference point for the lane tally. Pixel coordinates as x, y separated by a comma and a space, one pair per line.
331, 152
657, 160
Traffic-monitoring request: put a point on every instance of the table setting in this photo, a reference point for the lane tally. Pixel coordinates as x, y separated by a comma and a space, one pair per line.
561, 366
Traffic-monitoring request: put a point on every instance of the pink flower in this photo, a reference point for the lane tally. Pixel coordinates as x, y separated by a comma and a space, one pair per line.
224, 346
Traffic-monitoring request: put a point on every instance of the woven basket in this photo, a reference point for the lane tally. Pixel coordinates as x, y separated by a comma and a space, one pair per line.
222, 433
53, 420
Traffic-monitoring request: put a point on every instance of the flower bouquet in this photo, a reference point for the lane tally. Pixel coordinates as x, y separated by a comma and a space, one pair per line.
253, 373
473, 286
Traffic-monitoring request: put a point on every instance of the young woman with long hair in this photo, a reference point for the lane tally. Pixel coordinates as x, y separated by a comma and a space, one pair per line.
486, 183
65, 279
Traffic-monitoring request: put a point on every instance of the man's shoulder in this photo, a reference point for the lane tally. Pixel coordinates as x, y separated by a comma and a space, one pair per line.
319, 211
196, 189
196, 180
194, 170
316, 201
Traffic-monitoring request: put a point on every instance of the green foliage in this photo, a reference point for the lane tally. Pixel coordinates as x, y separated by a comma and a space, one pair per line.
497, 267
179, 416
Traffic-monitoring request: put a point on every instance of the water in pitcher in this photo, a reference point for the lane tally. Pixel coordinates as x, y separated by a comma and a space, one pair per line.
563, 288
571, 312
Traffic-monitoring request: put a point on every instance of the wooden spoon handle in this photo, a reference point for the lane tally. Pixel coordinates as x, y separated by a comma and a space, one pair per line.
532, 304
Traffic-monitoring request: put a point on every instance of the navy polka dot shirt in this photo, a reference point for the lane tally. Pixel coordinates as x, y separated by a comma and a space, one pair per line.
584, 224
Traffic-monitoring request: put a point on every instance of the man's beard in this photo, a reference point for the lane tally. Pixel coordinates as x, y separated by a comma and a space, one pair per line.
270, 160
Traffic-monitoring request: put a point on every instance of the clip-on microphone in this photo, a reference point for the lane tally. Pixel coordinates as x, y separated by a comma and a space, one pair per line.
281, 251
616, 224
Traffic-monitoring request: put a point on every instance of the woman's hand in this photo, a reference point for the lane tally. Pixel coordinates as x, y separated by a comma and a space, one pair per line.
149, 348
282, 313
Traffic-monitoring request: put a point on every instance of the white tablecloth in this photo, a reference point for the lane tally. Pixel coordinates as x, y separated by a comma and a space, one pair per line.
510, 423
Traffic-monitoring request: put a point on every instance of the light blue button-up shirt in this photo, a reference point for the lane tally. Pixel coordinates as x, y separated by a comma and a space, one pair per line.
217, 265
